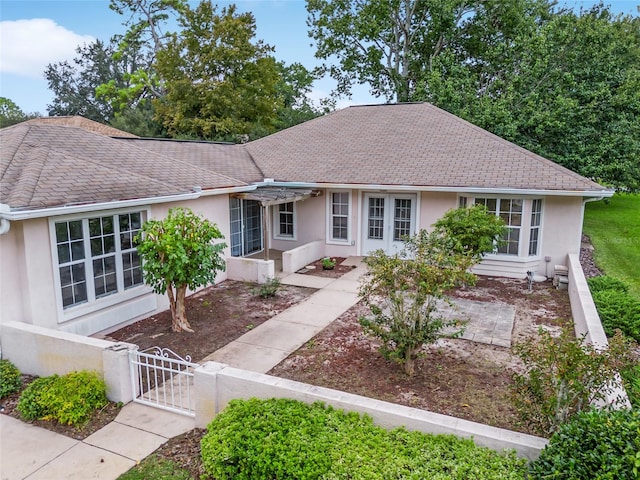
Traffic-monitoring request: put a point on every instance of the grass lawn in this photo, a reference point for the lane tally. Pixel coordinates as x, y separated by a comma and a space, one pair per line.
614, 230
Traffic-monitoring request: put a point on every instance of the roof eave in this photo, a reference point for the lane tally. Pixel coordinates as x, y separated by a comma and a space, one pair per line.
604, 193
13, 214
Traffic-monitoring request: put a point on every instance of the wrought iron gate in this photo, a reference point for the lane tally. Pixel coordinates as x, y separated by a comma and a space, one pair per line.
163, 379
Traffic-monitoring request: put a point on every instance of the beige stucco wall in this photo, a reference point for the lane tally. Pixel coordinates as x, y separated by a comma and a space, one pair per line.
28, 292
433, 205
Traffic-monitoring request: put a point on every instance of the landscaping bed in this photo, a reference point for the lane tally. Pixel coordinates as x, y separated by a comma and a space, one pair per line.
316, 268
455, 377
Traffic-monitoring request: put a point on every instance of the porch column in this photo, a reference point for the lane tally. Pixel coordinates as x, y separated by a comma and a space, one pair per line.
265, 230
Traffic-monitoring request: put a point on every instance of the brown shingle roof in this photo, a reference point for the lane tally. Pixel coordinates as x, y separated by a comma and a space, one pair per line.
226, 159
52, 165
406, 144
84, 123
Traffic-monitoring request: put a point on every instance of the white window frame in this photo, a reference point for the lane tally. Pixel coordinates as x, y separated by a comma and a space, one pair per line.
525, 223
535, 227
330, 216
277, 219
93, 304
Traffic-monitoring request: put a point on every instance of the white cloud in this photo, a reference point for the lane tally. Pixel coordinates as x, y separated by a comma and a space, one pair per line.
29, 45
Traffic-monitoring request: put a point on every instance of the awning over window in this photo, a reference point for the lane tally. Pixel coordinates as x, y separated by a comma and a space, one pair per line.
277, 195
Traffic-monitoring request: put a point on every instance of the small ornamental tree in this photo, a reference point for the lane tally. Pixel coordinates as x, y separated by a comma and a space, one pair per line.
402, 291
179, 253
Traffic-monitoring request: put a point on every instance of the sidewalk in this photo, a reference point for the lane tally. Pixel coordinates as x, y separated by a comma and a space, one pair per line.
33, 453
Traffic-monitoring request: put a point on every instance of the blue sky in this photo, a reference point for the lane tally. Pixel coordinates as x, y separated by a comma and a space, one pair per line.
34, 33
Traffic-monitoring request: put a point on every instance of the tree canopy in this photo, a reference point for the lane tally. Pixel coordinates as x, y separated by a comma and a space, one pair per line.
562, 84
10, 113
179, 252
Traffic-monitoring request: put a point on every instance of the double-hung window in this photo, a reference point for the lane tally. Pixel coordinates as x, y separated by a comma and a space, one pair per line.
339, 208
97, 256
284, 220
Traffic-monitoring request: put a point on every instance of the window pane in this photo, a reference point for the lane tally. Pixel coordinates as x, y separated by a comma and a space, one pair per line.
67, 296
75, 230
109, 244
95, 229
96, 247
62, 235
78, 273
77, 250
65, 276
376, 218
80, 292
64, 255
533, 242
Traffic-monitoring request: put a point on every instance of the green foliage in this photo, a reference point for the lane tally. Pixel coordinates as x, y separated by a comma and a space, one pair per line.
328, 263
402, 292
31, 406
68, 399
594, 445
287, 439
179, 252
219, 82
631, 380
10, 378
269, 288
563, 376
156, 468
618, 311
471, 230
614, 230
10, 113
605, 282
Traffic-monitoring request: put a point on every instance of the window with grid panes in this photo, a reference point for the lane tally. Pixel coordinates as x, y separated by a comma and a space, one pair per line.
97, 257
340, 216
285, 219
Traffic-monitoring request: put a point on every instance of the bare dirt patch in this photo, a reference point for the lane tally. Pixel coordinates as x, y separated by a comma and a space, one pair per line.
219, 314
455, 377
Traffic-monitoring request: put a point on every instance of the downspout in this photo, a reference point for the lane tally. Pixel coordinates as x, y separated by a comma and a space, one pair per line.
584, 202
5, 224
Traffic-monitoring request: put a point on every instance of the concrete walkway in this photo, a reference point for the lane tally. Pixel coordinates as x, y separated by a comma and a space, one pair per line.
34, 453
268, 344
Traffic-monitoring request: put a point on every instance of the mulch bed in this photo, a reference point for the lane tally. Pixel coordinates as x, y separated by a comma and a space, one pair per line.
316, 269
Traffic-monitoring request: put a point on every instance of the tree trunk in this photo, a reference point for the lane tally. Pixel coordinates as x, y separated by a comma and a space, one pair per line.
178, 312
409, 363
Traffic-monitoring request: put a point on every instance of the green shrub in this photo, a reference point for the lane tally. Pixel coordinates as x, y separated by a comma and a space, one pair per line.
269, 288
10, 378
68, 399
618, 310
563, 376
631, 378
605, 282
287, 439
595, 445
30, 404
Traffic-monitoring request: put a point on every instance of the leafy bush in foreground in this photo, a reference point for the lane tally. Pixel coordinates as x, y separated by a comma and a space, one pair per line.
564, 375
618, 309
594, 445
287, 439
69, 399
10, 381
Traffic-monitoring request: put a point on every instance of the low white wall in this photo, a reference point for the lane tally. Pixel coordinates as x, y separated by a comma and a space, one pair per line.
587, 321
216, 385
43, 352
250, 269
294, 259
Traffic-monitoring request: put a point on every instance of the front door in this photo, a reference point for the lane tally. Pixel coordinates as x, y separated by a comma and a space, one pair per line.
388, 218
